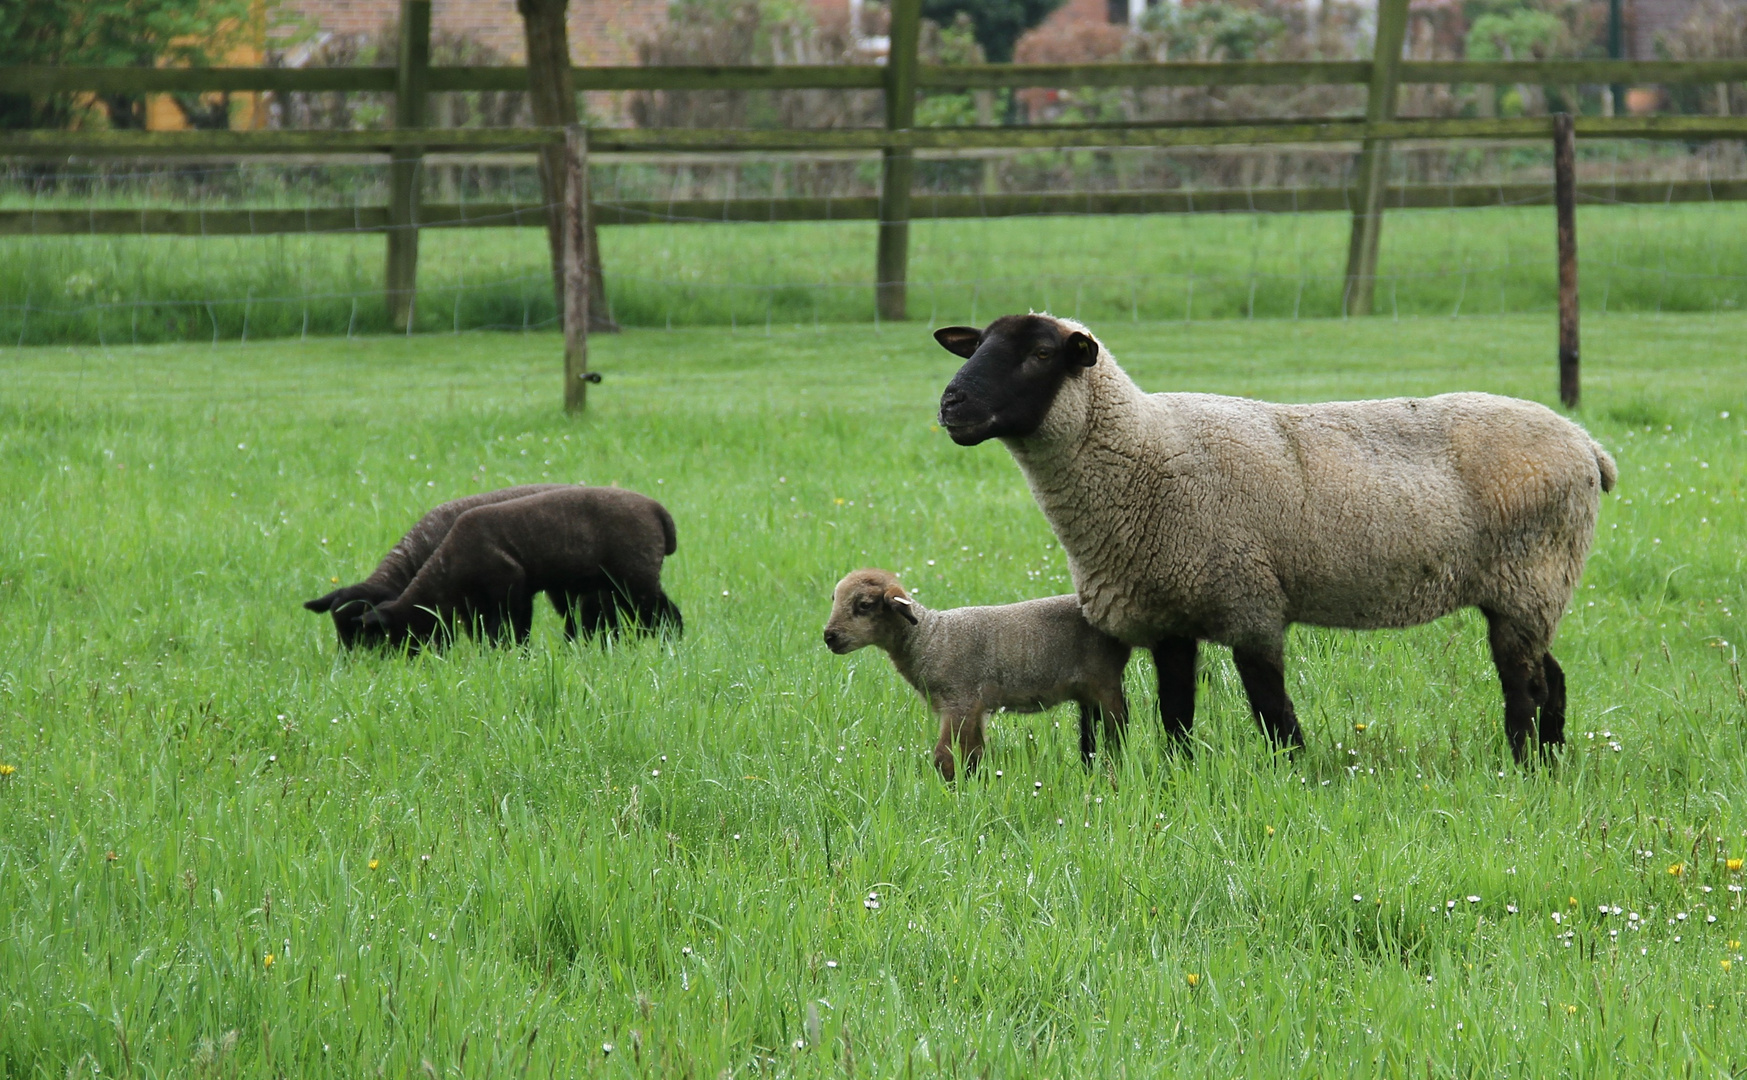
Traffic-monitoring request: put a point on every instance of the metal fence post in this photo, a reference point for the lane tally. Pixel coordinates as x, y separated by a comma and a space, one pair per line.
1565, 208
411, 83
898, 166
1373, 166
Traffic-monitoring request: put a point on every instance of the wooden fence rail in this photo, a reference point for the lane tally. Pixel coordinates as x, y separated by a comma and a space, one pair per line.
235, 144
447, 78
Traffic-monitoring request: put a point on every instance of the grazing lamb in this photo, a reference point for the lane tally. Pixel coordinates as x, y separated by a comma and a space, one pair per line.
969, 661
595, 552
348, 604
1193, 517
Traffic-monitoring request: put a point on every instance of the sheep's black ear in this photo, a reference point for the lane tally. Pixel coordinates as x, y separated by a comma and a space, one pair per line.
1081, 348
322, 603
959, 340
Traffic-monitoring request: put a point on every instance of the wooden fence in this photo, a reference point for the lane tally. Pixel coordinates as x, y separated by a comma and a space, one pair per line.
901, 79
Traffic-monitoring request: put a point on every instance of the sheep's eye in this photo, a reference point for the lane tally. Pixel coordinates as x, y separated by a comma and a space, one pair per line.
1043, 354
862, 607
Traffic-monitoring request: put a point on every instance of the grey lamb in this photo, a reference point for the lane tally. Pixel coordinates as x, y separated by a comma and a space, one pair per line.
967, 662
348, 603
1193, 517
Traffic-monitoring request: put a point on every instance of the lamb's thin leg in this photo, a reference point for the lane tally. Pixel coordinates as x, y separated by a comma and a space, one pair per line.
1112, 715
520, 613
1175, 659
1553, 709
567, 604
970, 741
1522, 677
1263, 672
966, 729
1115, 713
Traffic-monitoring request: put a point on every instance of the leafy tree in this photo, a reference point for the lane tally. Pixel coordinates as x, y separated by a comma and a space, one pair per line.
110, 33
1522, 34
998, 24
1212, 30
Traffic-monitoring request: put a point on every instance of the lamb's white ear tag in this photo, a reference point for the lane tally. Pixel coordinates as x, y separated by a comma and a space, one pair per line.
904, 606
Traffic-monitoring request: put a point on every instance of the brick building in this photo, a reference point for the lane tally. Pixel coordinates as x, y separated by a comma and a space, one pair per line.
601, 31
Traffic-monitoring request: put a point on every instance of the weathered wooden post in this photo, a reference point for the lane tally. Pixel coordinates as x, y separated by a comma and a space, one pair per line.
1373, 167
898, 166
552, 97
405, 170
1565, 208
576, 269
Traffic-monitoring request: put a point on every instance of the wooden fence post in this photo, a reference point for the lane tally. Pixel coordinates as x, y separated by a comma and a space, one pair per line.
552, 99
577, 265
1565, 204
898, 166
1373, 167
405, 171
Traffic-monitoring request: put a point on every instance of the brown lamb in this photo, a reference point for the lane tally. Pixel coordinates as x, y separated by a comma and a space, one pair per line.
595, 552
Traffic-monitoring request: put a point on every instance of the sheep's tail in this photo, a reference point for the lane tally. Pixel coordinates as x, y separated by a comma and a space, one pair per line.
1610, 473
671, 538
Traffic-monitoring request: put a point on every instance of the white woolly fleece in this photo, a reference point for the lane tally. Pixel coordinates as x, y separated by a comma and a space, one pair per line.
1227, 519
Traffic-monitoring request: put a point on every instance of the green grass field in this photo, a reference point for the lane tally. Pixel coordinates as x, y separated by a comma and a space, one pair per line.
121, 290
227, 851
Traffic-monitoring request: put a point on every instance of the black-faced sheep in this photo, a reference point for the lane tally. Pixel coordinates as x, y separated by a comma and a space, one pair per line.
967, 662
348, 603
1193, 517
595, 552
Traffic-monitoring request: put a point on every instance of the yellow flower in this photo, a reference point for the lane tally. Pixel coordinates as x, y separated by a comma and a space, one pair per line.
1727, 964
8, 770
1572, 901
839, 502
1360, 728
335, 580
1734, 865
1677, 869
374, 864
267, 961
1194, 979
1270, 830
1735, 944
1571, 1008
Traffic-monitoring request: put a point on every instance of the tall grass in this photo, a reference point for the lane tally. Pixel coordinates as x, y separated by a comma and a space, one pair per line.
228, 851
111, 289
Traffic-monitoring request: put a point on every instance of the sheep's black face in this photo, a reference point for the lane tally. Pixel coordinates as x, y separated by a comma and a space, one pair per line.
348, 606
1012, 374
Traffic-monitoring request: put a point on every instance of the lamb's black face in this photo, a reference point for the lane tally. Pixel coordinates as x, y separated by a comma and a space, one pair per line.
1012, 373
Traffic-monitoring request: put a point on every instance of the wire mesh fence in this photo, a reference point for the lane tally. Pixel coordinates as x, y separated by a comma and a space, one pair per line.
294, 248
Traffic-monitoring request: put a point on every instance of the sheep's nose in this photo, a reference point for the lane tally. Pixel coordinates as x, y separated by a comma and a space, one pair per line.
832, 639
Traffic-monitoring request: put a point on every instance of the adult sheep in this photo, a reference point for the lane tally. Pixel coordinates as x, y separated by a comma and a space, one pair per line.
1190, 517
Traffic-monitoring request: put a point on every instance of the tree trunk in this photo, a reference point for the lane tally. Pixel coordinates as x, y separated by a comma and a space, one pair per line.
552, 93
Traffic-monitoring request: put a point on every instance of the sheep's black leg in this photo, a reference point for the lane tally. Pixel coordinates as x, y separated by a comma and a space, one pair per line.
1088, 734
1553, 709
1264, 678
1522, 677
1175, 659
